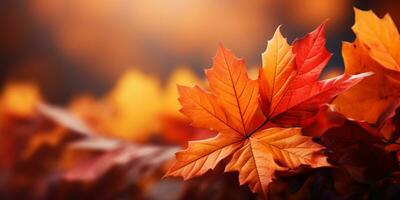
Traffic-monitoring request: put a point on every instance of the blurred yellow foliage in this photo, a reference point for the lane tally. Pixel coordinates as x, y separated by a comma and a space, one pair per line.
133, 110
181, 76
135, 107
136, 102
20, 99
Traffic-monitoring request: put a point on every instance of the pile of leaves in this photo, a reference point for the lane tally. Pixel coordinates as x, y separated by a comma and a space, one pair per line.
289, 134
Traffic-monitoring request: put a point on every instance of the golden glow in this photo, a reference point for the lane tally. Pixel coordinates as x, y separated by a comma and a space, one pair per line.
20, 98
181, 76
136, 99
111, 35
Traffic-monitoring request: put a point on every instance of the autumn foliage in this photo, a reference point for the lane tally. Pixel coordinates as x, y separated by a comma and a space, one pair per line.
289, 134
287, 91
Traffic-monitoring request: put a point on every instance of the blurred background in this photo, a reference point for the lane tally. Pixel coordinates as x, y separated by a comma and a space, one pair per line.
72, 47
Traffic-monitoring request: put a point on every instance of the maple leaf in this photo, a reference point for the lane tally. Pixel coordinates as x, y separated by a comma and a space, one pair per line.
289, 85
209, 110
289, 78
373, 50
380, 36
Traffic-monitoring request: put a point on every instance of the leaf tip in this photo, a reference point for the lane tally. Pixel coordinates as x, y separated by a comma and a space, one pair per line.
181, 89
221, 47
321, 28
278, 33
165, 176
359, 11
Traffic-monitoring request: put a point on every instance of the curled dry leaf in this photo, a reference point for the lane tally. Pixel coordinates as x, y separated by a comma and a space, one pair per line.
139, 160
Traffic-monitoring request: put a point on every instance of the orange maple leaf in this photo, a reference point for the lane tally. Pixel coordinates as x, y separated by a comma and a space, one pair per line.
290, 89
288, 85
375, 49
